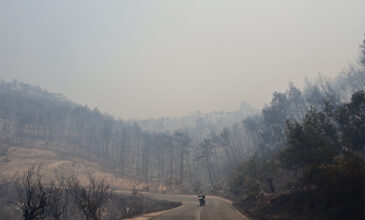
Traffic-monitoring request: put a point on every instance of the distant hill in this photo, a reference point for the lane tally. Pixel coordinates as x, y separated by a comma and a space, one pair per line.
199, 123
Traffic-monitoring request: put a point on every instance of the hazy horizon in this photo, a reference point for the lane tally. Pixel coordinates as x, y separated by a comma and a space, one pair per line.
170, 58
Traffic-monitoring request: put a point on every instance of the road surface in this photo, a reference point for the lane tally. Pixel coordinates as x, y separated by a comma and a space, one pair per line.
216, 208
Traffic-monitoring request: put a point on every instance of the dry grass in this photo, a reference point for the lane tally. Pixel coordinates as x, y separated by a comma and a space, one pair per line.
16, 160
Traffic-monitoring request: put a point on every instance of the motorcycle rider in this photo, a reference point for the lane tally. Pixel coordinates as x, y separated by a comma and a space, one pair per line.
201, 197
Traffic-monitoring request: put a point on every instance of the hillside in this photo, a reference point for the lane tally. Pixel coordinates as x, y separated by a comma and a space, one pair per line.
62, 134
15, 160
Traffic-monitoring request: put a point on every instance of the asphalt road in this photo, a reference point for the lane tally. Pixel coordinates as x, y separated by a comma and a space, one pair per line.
216, 208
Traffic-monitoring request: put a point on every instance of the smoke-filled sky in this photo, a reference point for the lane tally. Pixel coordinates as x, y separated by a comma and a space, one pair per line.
151, 58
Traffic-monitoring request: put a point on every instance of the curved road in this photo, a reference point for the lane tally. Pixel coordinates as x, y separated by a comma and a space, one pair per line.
216, 208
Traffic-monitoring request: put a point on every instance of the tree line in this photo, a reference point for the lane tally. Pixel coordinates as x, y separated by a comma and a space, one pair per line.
309, 155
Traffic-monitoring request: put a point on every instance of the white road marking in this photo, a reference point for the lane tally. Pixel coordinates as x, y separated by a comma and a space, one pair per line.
197, 213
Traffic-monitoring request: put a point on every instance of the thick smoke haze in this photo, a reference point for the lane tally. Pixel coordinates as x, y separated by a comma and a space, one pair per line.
138, 59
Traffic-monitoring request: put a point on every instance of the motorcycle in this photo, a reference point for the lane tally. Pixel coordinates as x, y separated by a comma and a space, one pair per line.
201, 200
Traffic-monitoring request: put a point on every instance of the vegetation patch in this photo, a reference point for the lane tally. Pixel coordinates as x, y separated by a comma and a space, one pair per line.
322, 163
31, 198
297, 206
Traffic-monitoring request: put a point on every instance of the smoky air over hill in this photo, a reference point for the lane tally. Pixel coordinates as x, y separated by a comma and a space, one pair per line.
182, 110
144, 59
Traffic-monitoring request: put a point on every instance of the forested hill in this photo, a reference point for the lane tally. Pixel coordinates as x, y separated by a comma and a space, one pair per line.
309, 160
204, 154
32, 117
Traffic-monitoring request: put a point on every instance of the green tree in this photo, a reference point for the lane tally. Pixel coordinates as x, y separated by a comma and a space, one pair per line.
328, 151
244, 181
310, 145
